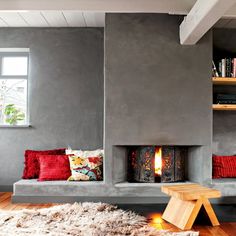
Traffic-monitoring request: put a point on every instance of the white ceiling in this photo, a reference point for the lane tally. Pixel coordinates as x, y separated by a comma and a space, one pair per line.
155, 6
52, 19
79, 13
226, 23
90, 13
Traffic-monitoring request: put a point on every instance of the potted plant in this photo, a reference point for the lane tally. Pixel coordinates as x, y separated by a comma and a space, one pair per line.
13, 115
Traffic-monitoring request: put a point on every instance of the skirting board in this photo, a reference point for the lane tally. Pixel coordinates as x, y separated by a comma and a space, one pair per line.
6, 188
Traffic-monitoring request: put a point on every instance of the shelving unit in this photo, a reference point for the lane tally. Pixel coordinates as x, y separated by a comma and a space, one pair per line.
221, 183
223, 115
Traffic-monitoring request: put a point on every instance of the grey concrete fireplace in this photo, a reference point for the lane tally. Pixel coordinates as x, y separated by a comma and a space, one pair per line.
157, 92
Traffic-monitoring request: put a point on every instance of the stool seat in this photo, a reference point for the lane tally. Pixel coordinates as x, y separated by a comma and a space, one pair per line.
186, 202
190, 191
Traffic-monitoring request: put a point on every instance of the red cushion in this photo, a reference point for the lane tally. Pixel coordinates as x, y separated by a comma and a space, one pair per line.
224, 167
31, 170
54, 167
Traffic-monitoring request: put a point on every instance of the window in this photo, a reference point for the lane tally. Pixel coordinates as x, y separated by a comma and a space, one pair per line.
13, 88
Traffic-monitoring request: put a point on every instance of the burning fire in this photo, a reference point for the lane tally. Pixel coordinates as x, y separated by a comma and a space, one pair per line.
158, 161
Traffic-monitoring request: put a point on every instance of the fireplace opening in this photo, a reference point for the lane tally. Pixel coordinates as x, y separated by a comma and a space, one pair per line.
155, 164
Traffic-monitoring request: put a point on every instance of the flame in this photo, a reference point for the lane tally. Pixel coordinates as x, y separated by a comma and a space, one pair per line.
155, 219
158, 161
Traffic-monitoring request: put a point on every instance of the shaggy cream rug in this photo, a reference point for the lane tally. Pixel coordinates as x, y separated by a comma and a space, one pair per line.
78, 219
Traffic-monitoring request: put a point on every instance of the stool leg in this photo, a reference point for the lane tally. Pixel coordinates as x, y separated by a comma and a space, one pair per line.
182, 213
210, 212
194, 213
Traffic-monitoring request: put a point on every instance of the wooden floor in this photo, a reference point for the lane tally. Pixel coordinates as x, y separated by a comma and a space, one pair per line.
225, 229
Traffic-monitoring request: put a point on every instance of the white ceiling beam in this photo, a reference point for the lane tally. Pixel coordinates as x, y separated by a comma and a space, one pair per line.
160, 6
201, 18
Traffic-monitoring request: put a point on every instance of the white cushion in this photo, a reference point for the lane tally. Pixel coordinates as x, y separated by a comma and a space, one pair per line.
85, 153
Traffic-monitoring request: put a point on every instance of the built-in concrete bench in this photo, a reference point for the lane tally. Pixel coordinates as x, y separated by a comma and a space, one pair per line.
33, 191
58, 191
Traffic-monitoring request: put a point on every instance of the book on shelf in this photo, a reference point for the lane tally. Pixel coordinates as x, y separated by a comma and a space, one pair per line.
234, 67
225, 67
214, 70
220, 98
228, 67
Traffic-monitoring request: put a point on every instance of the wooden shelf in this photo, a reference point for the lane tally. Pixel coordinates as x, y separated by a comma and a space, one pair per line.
222, 107
224, 81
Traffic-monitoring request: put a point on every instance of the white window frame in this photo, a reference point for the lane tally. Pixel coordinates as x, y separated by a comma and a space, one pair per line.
16, 52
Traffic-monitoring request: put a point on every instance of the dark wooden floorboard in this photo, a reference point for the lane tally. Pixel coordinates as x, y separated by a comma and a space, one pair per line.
229, 228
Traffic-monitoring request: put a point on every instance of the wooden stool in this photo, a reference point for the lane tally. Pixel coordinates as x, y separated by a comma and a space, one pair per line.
186, 202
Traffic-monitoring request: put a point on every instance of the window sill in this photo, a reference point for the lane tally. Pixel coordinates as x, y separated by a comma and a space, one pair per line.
15, 126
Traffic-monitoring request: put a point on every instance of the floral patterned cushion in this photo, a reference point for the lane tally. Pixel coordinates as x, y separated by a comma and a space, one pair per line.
85, 168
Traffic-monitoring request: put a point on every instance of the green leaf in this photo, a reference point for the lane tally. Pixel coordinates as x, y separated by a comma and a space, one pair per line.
13, 114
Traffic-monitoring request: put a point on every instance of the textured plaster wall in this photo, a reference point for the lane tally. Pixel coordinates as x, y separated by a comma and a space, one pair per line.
65, 94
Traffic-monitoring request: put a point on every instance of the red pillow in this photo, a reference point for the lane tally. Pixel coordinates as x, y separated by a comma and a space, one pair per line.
31, 170
54, 167
224, 167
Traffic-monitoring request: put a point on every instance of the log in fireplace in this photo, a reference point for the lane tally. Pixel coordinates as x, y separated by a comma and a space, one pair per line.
150, 164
